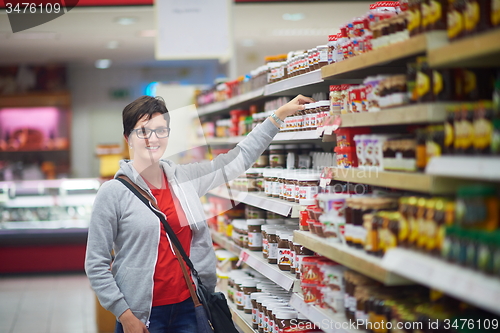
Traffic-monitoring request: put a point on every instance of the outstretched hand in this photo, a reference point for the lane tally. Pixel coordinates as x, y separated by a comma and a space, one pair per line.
295, 105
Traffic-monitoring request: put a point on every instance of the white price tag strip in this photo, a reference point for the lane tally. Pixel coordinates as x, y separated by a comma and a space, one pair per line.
468, 285
255, 260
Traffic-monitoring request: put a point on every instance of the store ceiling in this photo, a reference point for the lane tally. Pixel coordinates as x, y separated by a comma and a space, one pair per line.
84, 35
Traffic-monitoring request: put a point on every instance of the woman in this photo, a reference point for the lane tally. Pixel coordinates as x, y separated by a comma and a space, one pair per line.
145, 288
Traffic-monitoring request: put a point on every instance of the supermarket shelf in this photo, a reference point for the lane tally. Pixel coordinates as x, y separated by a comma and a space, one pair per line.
352, 258
472, 287
289, 84
330, 322
479, 50
410, 181
282, 136
471, 167
282, 278
224, 141
226, 243
234, 101
260, 200
293, 136
410, 114
382, 56
241, 319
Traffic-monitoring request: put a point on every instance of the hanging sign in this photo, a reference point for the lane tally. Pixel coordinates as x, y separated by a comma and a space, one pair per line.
193, 29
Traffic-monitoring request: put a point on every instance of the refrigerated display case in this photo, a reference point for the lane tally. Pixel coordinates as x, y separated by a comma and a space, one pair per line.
44, 224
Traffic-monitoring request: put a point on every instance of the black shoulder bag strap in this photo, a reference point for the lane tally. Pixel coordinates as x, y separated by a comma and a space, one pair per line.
179, 250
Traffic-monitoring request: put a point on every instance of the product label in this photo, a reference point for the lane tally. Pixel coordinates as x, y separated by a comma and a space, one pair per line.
348, 232
423, 84
247, 303
495, 12
277, 160
455, 23
435, 11
265, 245
255, 318
352, 304
483, 130
284, 257
267, 187
472, 12
467, 131
413, 20
239, 298
272, 251
275, 188
298, 263
425, 14
437, 82
254, 239
308, 192
323, 55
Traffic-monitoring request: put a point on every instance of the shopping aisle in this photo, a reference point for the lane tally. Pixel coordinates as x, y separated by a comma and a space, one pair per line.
47, 304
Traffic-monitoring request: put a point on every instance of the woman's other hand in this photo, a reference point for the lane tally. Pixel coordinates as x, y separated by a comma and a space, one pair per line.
131, 324
295, 105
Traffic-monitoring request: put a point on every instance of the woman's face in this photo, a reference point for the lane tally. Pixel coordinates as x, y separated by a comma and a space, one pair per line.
149, 139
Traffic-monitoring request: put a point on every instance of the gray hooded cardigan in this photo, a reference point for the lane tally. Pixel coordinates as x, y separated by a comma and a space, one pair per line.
121, 222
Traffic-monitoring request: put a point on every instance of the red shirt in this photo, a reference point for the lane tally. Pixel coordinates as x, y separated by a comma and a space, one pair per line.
169, 284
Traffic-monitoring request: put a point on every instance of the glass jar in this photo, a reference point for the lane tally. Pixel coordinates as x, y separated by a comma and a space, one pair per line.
335, 99
255, 234
248, 287
277, 157
255, 315
269, 180
272, 246
284, 254
263, 160
284, 318
323, 55
308, 184
301, 252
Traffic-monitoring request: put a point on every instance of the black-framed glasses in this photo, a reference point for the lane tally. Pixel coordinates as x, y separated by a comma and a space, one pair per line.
145, 133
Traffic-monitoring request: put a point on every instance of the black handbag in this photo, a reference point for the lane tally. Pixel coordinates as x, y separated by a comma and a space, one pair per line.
212, 312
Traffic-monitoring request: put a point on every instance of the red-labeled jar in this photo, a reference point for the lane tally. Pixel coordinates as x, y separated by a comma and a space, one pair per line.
284, 254
255, 234
248, 287
284, 319
272, 246
255, 315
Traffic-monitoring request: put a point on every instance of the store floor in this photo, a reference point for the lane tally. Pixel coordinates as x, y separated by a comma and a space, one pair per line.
47, 304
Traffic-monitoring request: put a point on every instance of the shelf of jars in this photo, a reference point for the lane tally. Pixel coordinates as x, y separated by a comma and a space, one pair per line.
226, 243
280, 137
409, 114
329, 321
410, 181
353, 258
289, 84
367, 63
465, 284
260, 200
284, 279
231, 102
470, 167
241, 319
478, 50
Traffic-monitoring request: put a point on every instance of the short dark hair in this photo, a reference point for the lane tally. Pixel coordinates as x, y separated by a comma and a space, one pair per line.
144, 105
